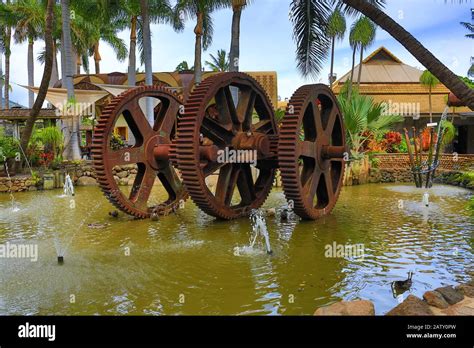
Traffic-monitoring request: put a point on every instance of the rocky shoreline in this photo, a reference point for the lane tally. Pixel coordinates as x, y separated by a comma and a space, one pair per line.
446, 300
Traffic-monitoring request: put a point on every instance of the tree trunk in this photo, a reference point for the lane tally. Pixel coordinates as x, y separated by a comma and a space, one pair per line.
2, 104
78, 63
331, 73
148, 57
31, 73
425, 57
431, 106
132, 57
71, 150
97, 58
198, 48
360, 65
43, 89
55, 71
234, 53
352, 72
7, 64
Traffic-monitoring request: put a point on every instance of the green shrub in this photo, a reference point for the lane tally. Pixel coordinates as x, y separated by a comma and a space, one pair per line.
9, 148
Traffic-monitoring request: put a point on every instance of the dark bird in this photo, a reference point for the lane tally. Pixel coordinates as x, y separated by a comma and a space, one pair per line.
400, 286
114, 213
284, 215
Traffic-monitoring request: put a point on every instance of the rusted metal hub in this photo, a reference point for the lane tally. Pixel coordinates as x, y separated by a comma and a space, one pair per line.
252, 141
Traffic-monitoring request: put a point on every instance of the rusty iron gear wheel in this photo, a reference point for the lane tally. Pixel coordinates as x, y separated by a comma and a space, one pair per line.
248, 125
311, 151
151, 151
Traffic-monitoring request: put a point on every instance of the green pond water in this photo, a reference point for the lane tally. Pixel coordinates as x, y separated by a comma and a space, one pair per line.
187, 263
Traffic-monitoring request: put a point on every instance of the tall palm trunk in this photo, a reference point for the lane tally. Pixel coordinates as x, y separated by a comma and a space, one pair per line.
198, 30
7, 64
55, 71
97, 58
148, 57
72, 150
430, 105
360, 65
2, 104
48, 67
352, 71
331, 73
132, 56
31, 73
425, 57
234, 53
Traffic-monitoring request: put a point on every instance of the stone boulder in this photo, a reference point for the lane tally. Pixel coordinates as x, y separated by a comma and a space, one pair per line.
450, 294
122, 174
358, 307
466, 290
411, 306
86, 181
434, 298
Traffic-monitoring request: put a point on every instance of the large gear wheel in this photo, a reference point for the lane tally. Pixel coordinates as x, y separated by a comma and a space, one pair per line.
212, 123
151, 152
311, 151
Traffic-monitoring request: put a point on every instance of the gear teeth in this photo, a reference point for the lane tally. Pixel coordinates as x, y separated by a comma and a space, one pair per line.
188, 136
287, 158
103, 128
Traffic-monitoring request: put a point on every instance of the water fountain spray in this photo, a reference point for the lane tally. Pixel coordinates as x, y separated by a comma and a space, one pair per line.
68, 186
10, 192
259, 226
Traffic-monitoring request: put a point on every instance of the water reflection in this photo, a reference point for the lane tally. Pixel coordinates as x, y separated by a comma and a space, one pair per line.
184, 263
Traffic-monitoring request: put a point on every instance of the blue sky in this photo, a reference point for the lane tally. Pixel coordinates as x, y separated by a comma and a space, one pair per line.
267, 43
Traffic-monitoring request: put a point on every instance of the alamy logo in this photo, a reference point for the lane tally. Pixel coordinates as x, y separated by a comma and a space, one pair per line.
237, 156
336, 250
19, 251
37, 331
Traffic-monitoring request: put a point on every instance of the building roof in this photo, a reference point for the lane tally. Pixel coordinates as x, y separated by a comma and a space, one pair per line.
23, 114
12, 104
383, 67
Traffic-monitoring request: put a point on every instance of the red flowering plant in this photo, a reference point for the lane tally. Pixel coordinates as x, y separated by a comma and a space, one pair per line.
46, 158
392, 140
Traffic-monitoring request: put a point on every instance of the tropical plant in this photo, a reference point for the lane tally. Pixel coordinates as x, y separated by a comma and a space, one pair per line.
158, 11
183, 66
48, 66
430, 81
51, 138
366, 31
220, 62
201, 11
309, 19
8, 148
470, 27
27, 18
364, 119
449, 131
336, 28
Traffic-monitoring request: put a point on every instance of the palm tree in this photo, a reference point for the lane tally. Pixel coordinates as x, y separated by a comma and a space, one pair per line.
367, 38
335, 31
234, 54
48, 67
29, 18
310, 17
430, 81
201, 11
219, 62
148, 56
71, 149
470, 27
354, 41
7, 42
183, 66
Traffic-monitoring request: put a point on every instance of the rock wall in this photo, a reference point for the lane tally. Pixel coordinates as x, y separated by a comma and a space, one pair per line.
17, 184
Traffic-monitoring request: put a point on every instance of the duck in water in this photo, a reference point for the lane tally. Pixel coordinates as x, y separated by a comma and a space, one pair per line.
400, 286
